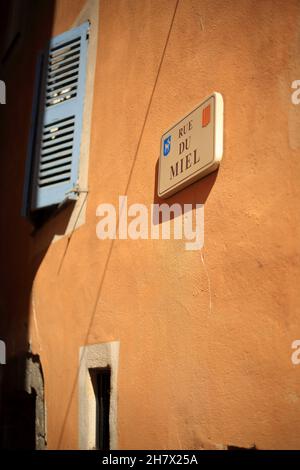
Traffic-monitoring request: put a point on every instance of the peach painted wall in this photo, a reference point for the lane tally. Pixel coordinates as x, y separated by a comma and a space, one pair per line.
205, 337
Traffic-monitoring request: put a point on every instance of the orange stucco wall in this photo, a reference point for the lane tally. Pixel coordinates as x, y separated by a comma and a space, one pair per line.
205, 337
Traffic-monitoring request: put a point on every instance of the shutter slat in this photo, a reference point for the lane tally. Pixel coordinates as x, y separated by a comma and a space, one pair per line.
63, 60
61, 97
56, 49
61, 90
54, 163
56, 148
55, 179
63, 70
64, 50
63, 79
58, 169
57, 155
62, 122
51, 145
49, 137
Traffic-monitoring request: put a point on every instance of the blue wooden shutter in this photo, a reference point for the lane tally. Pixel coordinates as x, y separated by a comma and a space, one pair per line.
57, 148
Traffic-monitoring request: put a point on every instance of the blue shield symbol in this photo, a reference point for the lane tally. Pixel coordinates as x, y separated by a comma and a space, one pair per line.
167, 146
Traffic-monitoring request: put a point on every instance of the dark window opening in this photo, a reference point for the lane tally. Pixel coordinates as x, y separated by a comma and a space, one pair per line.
101, 384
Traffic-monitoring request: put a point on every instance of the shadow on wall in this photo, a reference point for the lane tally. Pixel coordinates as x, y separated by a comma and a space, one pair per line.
196, 193
25, 29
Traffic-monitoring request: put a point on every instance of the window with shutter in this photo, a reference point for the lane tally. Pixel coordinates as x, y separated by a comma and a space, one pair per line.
55, 147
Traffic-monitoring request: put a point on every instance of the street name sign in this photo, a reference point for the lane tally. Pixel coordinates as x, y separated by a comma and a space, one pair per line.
192, 148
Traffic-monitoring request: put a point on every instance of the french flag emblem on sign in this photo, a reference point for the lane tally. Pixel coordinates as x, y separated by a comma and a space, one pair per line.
206, 116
